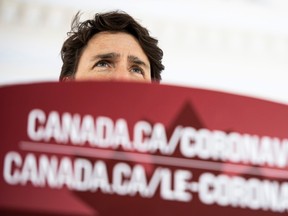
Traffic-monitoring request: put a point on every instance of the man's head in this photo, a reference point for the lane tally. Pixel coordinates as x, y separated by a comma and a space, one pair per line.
109, 47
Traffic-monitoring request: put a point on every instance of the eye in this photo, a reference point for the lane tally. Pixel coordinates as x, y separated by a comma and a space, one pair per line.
137, 70
102, 63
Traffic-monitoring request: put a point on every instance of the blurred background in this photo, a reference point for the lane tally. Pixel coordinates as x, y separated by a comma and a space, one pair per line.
236, 46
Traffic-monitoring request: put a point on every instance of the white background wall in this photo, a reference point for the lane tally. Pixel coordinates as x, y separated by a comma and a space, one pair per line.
238, 46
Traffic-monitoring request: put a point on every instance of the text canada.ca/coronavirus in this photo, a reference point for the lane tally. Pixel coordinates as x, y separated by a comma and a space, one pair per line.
144, 137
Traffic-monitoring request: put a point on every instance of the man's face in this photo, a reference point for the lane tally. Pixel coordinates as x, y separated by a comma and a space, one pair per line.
113, 56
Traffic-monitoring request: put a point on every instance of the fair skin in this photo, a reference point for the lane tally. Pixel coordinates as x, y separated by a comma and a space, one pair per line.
114, 57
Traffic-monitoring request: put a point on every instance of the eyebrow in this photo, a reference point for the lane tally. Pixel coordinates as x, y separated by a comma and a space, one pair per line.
131, 58
137, 61
106, 56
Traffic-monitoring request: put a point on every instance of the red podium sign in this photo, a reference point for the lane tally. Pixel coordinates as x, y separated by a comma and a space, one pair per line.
137, 149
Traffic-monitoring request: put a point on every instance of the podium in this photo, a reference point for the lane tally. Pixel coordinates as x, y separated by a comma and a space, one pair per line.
105, 148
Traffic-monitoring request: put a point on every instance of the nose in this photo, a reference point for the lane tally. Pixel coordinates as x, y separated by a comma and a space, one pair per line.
121, 74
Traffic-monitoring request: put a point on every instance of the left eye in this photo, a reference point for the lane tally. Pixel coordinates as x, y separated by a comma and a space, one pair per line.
137, 70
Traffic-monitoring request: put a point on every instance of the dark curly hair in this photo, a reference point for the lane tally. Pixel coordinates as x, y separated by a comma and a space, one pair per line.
115, 21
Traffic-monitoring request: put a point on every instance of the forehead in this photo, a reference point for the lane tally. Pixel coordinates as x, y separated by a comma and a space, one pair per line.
120, 42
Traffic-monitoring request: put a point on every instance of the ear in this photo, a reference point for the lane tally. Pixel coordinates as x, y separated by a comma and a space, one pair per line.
67, 79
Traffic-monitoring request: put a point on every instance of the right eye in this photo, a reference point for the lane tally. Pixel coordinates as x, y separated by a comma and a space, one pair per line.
102, 63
